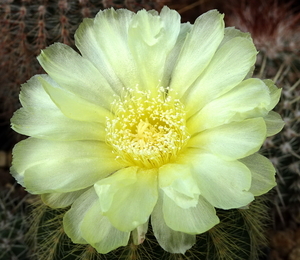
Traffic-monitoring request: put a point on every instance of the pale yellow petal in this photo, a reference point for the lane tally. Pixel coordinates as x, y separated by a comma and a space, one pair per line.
73, 218
76, 74
249, 99
150, 39
41, 118
61, 200
178, 184
224, 184
72, 105
104, 42
97, 230
232, 141
263, 173
228, 67
231, 32
170, 240
84, 224
274, 123
44, 166
194, 220
198, 50
139, 234
128, 196
185, 28
275, 93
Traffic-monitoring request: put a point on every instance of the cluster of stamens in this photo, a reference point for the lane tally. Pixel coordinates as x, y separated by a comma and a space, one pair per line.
147, 131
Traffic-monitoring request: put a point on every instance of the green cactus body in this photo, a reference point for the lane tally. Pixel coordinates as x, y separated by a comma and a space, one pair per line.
239, 236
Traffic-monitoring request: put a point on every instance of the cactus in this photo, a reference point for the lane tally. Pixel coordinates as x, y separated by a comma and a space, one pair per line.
283, 149
13, 226
27, 27
239, 236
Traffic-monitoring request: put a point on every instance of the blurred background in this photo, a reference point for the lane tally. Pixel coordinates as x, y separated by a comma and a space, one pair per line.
27, 26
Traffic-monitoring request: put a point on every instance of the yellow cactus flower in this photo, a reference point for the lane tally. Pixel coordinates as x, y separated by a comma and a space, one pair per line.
152, 120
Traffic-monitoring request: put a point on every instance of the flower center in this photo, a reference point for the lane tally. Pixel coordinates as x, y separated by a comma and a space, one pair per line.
147, 131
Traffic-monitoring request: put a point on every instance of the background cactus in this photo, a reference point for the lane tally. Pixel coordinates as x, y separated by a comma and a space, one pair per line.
27, 26
13, 225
